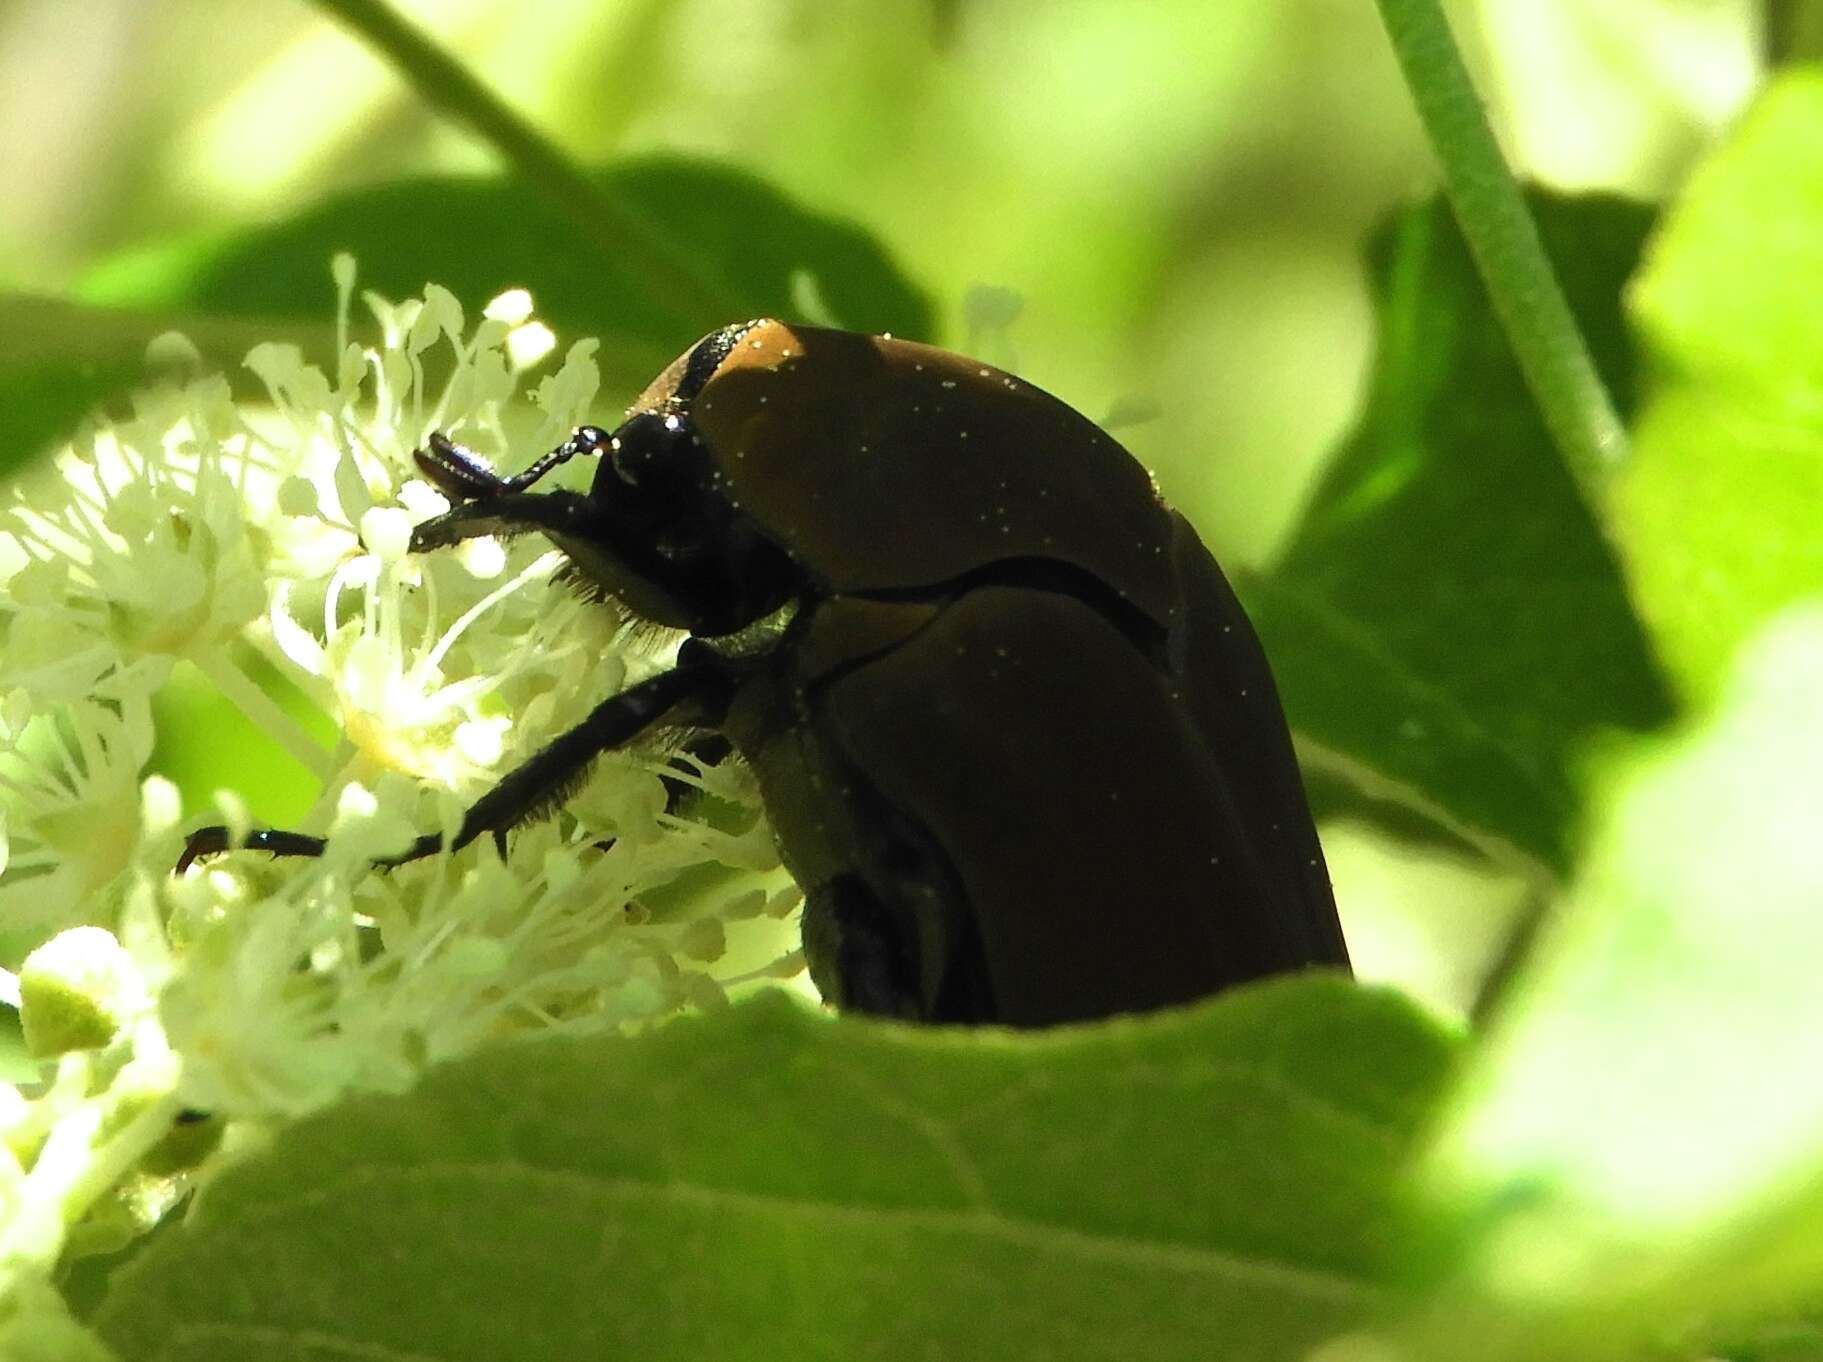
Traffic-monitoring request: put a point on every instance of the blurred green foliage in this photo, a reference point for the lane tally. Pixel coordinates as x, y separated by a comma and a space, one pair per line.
1609, 714
1719, 508
480, 237
1449, 615
892, 1195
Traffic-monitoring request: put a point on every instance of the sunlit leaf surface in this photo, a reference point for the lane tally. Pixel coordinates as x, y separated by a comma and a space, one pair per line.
767, 1184
1722, 506
1448, 620
1641, 1138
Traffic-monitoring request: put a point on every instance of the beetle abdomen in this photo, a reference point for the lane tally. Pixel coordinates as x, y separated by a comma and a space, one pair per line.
1228, 690
1095, 837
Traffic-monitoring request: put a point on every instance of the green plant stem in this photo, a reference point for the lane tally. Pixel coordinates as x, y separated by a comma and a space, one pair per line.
1792, 32
672, 279
1504, 241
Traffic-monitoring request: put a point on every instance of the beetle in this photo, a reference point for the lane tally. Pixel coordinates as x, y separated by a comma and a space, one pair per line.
1018, 742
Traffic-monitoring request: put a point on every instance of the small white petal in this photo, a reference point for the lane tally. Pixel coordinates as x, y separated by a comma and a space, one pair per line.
484, 559
160, 805
295, 641
173, 350
386, 530
481, 740
356, 801
513, 307
526, 345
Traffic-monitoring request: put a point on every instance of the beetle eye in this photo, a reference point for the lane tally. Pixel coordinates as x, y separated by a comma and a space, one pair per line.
651, 451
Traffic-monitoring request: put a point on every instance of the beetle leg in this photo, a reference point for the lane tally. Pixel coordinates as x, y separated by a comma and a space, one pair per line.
212, 840
536, 785
462, 475
507, 513
872, 972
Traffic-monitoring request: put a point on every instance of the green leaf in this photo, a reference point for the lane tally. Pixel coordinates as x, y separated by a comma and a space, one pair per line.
478, 237
1636, 1151
57, 363
1448, 625
40, 405
767, 1183
60, 361
1721, 505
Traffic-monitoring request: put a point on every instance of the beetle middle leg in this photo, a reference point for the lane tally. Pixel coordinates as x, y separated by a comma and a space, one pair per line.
861, 966
696, 690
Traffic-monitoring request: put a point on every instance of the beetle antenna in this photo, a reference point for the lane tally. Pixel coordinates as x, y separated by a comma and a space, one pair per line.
586, 440
463, 475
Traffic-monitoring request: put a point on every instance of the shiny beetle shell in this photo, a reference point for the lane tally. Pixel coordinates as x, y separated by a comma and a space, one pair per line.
883, 464
1022, 664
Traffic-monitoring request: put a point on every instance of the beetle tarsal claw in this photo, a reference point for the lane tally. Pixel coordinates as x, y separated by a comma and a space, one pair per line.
217, 838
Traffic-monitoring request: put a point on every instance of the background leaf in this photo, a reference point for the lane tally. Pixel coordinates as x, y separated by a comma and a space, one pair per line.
767, 1183
1721, 508
1636, 1152
61, 360
478, 237
1448, 618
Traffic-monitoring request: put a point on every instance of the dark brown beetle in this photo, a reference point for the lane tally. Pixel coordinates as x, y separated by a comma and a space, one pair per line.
1017, 739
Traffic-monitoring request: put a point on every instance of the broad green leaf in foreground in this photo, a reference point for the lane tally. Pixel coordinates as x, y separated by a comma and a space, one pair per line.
1721, 508
769, 1184
1637, 1152
1448, 619
478, 237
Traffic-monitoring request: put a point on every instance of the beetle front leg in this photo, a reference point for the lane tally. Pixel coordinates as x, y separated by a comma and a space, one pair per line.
216, 838
508, 513
700, 682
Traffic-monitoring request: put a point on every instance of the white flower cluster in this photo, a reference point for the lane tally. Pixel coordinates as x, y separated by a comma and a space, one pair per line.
229, 541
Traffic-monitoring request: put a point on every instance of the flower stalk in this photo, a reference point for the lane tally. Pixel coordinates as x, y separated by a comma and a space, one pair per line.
1521, 285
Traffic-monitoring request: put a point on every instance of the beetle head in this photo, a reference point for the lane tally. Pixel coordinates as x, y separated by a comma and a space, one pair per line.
665, 540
